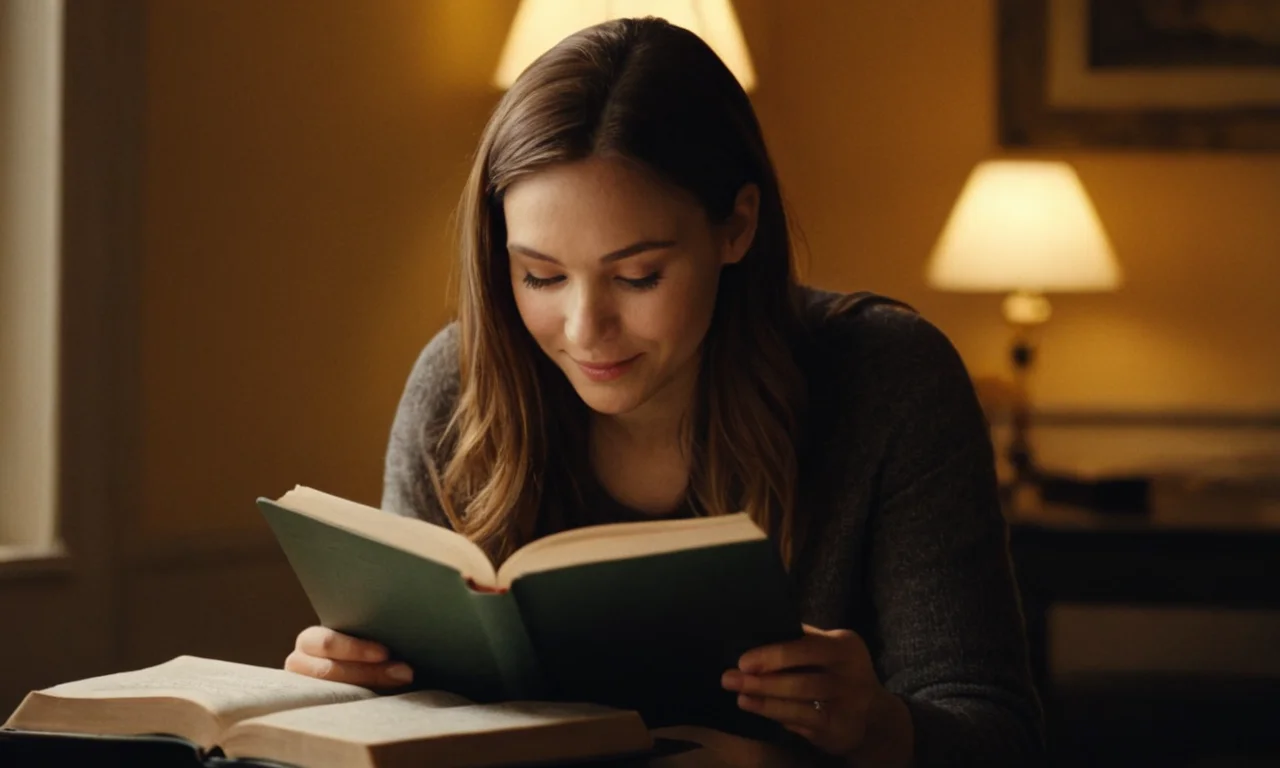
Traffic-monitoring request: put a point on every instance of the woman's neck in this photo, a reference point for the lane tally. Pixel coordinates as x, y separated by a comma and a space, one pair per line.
648, 435
640, 457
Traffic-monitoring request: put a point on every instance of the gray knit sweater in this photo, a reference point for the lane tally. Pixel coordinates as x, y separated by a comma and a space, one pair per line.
907, 545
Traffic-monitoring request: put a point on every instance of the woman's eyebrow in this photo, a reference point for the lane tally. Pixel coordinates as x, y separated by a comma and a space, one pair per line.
622, 253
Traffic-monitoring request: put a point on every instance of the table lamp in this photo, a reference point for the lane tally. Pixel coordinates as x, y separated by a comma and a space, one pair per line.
1024, 228
540, 24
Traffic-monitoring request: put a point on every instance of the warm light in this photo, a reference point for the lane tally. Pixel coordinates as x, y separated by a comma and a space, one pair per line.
1023, 225
540, 24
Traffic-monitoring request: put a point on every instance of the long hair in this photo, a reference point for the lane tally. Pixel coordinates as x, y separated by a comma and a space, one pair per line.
653, 93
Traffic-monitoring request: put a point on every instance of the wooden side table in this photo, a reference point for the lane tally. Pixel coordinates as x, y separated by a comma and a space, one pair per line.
1182, 554
1211, 558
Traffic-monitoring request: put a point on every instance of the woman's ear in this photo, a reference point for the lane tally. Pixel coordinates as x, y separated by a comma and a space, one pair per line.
740, 227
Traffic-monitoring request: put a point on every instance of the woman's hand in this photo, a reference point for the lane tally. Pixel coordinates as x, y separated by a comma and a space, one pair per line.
824, 687
320, 652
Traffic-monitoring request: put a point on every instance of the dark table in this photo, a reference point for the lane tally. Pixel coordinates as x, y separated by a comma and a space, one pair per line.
1187, 550
1183, 552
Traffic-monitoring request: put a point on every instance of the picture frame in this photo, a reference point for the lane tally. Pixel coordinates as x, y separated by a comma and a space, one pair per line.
1138, 74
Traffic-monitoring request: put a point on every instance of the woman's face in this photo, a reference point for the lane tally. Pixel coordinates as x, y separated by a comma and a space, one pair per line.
615, 276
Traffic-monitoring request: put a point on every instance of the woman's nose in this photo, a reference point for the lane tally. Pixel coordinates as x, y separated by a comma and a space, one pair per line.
589, 320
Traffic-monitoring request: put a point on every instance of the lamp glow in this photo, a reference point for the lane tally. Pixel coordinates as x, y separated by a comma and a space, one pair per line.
1023, 225
540, 24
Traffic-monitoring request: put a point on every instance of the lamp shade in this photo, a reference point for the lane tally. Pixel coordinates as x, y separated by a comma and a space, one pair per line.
540, 24
1023, 225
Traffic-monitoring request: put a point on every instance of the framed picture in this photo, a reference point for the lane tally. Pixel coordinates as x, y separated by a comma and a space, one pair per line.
1139, 74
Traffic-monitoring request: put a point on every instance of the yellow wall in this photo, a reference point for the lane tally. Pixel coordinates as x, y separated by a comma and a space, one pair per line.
303, 159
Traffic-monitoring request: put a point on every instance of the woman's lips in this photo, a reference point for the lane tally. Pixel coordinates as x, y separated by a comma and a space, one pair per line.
606, 371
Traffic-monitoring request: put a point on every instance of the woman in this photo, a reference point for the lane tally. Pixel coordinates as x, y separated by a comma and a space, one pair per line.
632, 344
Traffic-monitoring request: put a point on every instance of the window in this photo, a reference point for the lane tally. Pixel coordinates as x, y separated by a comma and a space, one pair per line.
30, 97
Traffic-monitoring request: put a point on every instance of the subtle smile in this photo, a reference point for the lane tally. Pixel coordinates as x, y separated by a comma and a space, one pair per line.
606, 371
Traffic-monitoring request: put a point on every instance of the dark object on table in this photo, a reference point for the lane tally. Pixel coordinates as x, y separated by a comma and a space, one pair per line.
1122, 494
27, 748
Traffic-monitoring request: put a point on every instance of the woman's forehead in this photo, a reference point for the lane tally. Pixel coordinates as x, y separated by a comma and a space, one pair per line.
596, 197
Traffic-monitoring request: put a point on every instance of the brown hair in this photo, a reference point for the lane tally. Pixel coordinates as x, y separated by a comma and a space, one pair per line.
653, 93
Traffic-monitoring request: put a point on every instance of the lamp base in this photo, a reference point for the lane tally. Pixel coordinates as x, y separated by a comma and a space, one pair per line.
1025, 311
1022, 354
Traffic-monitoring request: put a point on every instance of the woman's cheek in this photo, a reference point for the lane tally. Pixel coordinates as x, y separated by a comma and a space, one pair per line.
540, 315
671, 316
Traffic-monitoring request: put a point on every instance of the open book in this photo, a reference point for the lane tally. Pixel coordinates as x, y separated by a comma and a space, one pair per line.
644, 616
256, 712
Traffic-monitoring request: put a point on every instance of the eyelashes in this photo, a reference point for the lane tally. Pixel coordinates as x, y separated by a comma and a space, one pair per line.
541, 282
645, 283
650, 280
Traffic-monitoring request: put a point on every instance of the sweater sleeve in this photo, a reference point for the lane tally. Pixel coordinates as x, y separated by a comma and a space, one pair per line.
425, 407
951, 633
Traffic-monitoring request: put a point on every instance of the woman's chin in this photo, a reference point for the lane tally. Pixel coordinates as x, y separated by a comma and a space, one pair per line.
608, 400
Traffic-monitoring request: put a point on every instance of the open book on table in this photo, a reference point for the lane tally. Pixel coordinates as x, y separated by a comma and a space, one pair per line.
256, 712
645, 615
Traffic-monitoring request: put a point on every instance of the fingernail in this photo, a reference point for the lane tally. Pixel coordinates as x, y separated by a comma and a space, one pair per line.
732, 680
374, 653
747, 702
400, 673
747, 664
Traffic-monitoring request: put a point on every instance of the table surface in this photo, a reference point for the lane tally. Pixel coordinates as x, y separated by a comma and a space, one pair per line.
1210, 510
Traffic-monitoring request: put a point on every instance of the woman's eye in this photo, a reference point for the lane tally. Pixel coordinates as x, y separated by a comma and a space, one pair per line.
541, 282
643, 283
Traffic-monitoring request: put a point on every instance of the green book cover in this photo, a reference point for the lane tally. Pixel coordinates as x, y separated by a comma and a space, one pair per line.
643, 616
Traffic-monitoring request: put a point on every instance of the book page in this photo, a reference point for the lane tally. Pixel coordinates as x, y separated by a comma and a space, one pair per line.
416, 537
229, 690
387, 718
618, 541
425, 715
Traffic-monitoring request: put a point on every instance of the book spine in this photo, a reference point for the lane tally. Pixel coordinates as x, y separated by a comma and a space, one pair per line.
509, 641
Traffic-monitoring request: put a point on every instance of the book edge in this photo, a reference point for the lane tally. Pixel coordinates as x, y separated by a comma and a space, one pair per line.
618, 721
334, 511
213, 726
